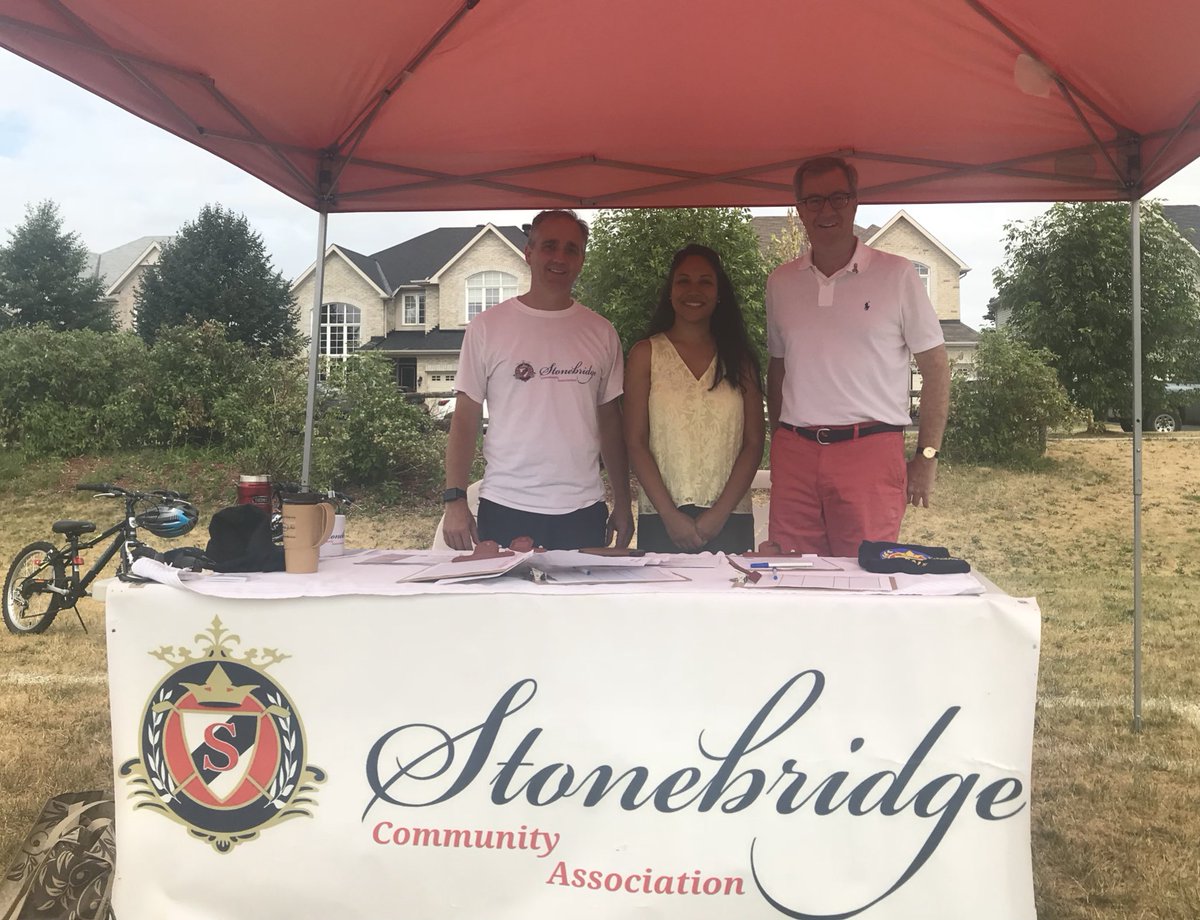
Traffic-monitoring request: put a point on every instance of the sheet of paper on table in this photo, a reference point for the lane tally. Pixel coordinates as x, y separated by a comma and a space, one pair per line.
824, 581
574, 559
805, 562
685, 560
414, 557
612, 575
487, 567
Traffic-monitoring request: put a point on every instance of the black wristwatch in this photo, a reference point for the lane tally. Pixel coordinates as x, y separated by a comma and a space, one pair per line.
453, 495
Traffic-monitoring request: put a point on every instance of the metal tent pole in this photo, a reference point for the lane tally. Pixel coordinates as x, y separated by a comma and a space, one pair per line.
1135, 239
314, 345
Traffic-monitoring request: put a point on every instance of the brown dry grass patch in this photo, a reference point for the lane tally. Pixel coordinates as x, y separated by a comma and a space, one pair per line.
1116, 816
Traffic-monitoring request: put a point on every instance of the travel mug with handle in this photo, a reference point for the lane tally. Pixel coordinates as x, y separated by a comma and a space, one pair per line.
307, 523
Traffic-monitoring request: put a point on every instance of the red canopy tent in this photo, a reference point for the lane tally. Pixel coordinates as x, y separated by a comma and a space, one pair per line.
446, 104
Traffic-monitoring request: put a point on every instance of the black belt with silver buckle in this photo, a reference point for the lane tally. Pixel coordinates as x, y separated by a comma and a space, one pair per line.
834, 435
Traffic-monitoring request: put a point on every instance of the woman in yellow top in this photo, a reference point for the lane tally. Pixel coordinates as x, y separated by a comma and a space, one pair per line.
694, 413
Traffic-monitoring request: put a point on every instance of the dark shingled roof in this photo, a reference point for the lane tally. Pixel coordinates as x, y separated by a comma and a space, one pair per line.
435, 339
368, 266
957, 333
1187, 218
421, 257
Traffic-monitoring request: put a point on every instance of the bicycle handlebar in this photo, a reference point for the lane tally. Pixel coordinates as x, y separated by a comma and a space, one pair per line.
170, 494
104, 487
286, 488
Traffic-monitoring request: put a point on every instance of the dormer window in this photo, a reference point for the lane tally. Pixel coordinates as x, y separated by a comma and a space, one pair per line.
414, 309
486, 289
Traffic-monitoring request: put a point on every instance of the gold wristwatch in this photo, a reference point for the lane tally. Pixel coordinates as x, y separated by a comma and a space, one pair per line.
929, 453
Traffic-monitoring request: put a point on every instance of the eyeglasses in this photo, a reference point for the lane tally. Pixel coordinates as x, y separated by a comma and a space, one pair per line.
814, 204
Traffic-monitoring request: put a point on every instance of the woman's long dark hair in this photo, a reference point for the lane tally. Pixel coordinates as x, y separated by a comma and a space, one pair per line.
735, 357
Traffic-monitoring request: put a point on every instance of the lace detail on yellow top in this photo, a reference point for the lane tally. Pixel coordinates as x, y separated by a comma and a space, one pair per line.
695, 432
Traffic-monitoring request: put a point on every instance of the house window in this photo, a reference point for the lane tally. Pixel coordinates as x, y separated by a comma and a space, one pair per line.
923, 274
341, 324
486, 289
441, 376
414, 309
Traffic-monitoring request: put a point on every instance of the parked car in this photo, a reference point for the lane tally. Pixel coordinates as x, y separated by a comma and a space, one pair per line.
441, 410
1182, 407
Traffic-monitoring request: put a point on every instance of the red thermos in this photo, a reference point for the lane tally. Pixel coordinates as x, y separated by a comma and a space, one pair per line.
255, 490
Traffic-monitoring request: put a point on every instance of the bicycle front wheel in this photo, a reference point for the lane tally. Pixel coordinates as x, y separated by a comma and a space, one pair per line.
28, 606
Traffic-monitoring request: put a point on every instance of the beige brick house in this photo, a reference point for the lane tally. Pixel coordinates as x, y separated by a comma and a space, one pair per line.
941, 270
121, 269
412, 302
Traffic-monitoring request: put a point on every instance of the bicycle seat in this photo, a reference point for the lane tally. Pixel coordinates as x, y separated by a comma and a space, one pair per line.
73, 528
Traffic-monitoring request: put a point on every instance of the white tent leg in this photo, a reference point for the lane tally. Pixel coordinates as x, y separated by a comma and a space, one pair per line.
314, 346
1135, 239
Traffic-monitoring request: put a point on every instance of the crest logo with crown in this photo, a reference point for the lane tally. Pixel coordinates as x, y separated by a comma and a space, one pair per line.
222, 748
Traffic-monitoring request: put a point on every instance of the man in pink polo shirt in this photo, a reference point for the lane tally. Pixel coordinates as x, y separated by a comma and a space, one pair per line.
842, 323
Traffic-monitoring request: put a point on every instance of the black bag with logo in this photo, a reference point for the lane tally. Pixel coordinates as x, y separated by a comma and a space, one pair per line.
240, 541
909, 559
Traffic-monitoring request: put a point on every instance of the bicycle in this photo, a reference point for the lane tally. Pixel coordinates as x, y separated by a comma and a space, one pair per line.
44, 579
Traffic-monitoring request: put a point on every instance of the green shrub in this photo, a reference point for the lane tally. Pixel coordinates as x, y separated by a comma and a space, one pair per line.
368, 433
1001, 412
62, 392
74, 393
198, 392
270, 439
69, 393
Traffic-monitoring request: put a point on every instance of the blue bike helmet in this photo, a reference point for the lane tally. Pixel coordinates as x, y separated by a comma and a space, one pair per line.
169, 519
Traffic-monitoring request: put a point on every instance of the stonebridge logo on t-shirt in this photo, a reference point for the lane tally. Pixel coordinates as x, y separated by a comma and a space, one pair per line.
577, 373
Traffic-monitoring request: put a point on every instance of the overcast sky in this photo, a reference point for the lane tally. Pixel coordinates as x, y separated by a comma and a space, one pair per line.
116, 178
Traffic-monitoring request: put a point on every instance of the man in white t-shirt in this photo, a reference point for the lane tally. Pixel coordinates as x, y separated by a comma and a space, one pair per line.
551, 371
842, 323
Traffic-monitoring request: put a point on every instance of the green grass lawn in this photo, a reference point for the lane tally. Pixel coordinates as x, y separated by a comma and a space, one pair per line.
1116, 815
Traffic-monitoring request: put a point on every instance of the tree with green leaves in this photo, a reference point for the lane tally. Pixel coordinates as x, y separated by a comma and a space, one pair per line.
1002, 408
44, 277
630, 250
788, 244
369, 432
217, 269
1066, 281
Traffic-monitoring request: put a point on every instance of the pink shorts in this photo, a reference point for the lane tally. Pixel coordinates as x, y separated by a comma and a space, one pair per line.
828, 498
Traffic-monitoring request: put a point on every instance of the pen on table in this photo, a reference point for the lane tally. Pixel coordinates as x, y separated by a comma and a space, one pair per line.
798, 564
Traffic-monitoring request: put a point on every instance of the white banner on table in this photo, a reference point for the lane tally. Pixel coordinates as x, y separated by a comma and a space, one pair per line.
706, 755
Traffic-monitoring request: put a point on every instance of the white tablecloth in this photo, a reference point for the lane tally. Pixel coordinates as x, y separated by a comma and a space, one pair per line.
513, 753
357, 574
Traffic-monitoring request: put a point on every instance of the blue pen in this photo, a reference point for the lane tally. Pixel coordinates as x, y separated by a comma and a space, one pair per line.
797, 564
